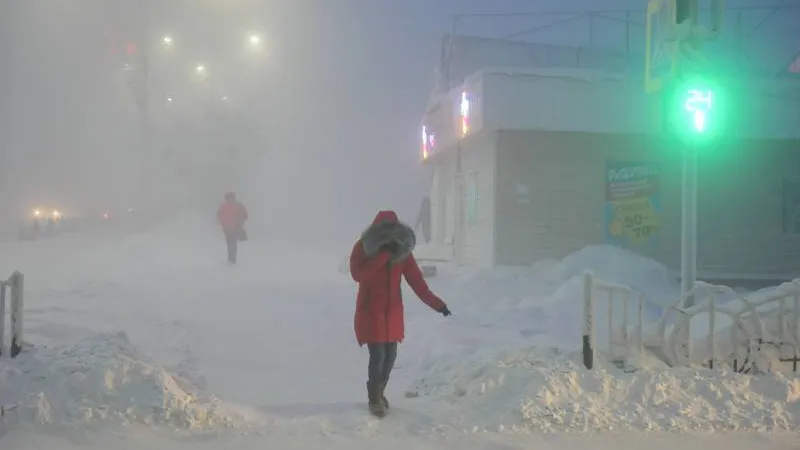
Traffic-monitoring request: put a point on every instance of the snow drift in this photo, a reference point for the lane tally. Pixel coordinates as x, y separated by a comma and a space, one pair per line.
522, 371
539, 390
105, 379
542, 304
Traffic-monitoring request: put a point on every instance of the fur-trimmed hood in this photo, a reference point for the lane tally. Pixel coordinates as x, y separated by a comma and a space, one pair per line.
386, 229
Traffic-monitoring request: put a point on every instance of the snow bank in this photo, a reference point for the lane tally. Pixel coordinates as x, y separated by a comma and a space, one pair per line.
532, 389
105, 379
541, 304
513, 286
558, 285
507, 359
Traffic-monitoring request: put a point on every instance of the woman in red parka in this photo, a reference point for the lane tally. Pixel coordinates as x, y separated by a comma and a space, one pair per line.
377, 263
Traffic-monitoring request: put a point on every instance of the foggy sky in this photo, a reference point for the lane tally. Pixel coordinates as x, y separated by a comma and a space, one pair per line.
337, 102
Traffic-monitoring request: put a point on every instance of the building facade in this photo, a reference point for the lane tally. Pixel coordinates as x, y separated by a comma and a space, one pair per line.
535, 164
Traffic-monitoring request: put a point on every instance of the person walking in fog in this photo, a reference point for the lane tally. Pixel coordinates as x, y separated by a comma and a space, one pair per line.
231, 216
378, 261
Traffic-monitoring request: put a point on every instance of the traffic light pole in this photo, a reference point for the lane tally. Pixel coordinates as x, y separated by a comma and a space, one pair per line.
144, 109
689, 223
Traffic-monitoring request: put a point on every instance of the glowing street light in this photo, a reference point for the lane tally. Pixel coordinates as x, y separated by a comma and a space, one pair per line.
200, 69
167, 40
169, 99
224, 98
255, 40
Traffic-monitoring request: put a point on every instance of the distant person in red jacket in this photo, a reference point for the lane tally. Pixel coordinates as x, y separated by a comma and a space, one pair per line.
231, 216
377, 263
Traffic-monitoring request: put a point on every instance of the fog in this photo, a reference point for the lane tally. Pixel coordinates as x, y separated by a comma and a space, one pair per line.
315, 126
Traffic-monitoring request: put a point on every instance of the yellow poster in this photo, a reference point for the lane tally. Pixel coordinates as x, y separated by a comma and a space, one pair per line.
632, 203
634, 220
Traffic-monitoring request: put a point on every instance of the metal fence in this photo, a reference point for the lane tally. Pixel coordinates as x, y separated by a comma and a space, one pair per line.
762, 328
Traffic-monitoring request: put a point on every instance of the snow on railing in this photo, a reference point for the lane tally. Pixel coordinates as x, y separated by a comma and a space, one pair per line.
758, 322
16, 286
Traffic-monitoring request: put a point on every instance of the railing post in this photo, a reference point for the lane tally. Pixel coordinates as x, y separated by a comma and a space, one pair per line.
640, 323
3, 285
17, 307
588, 320
688, 322
625, 305
737, 319
711, 330
781, 332
610, 298
796, 331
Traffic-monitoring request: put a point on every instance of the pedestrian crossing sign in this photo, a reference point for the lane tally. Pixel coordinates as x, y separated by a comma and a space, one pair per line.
661, 44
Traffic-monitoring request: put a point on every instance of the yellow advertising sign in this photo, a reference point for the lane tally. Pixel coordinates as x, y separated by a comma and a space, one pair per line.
632, 210
634, 220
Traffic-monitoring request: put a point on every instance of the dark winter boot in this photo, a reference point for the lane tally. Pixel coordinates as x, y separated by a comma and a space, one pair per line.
376, 406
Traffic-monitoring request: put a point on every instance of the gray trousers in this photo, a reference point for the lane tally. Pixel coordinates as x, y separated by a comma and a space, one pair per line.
381, 361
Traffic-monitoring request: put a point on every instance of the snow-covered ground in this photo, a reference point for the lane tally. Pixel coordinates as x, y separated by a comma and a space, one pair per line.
151, 341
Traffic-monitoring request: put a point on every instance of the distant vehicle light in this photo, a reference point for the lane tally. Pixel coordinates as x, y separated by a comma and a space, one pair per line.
56, 214
37, 212
105, 216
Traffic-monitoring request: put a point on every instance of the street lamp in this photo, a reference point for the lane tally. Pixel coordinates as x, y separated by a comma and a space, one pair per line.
169, 99
200, 69
167, 40
255, 40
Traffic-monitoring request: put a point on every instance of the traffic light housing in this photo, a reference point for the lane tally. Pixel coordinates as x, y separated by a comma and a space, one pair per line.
695, 110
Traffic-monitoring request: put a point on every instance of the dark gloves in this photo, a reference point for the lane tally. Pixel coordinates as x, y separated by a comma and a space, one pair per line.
445, 311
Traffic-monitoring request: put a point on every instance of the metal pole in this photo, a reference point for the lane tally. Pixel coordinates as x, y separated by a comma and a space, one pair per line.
689, 203
145, 107
689, 223
145, 150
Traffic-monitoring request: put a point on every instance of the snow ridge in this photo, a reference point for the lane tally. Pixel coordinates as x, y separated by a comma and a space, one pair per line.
536, 390
105, 379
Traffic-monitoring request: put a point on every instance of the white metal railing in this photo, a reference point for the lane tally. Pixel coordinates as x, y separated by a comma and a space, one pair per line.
15, 286
593, 287
763, 326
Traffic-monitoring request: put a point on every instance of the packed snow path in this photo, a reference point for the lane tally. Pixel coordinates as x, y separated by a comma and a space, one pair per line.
275, 336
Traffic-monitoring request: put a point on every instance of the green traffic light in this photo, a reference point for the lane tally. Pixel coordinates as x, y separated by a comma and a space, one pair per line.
699, 103
694, 112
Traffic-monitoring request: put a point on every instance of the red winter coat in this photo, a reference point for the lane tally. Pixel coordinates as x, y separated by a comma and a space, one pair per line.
232, 215
379, 304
